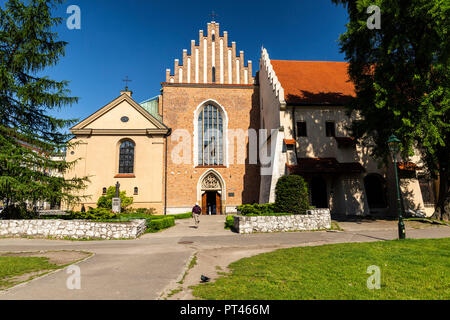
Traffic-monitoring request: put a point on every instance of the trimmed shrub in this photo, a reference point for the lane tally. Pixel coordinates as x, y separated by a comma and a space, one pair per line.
154, 225
143, 211
271, 214
183, 215
229, 222
291, 195
256, 209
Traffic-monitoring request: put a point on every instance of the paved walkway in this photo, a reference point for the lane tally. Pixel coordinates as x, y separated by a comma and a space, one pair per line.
149, 267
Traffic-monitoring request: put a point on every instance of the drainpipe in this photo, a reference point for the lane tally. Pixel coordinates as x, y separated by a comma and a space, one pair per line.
165, 172
294, 132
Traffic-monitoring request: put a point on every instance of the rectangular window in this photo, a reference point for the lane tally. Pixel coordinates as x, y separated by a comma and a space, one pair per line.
330, 128
301, 129
427, 189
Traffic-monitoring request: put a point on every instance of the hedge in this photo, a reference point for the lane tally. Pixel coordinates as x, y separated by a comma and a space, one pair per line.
154, 225
270, 214
183, 215
256, 209
229, 222
253, 210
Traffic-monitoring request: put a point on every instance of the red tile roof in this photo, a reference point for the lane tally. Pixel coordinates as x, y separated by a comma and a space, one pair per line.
289, 141
407, 166
314, 82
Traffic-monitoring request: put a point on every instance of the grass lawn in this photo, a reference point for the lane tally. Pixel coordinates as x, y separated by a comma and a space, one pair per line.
11, 267
410, 269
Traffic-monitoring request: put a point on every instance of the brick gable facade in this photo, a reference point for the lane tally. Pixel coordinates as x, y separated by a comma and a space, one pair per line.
207, 77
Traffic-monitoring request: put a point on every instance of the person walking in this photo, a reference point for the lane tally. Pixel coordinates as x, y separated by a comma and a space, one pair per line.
196, 212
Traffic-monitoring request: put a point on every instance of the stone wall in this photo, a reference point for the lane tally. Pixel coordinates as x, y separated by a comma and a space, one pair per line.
317, 219
72, 229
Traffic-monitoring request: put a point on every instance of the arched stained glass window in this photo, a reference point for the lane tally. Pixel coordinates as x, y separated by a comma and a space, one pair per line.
210, 136
126, 157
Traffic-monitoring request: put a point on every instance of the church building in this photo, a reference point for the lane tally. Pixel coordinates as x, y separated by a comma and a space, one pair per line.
206, 138
212, 97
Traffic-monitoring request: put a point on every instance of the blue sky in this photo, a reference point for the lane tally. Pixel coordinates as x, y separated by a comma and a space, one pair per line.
141, 38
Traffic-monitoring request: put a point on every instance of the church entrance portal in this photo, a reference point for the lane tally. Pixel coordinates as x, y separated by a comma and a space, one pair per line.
211, 194
211, 203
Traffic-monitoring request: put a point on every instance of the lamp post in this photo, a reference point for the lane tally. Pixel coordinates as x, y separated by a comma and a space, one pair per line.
394, 147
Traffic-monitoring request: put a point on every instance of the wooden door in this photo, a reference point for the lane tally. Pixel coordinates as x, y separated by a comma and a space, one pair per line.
218, 203
204, 203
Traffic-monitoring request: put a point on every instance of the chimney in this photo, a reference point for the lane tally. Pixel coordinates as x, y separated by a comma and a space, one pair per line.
127, 92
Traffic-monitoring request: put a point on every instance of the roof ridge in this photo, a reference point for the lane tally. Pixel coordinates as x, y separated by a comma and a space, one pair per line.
309, 61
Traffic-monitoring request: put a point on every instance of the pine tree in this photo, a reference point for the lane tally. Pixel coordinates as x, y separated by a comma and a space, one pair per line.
402, 77
31, 140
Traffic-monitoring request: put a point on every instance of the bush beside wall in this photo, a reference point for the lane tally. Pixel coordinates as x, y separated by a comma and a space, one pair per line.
291, 195
154, 225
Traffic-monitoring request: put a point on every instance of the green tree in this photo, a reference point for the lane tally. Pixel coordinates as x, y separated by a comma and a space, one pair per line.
401, 76
31, 140
106, 200
291, 195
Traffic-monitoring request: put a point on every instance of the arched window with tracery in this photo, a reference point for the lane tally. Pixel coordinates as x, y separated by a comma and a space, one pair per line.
126, 157
210, 136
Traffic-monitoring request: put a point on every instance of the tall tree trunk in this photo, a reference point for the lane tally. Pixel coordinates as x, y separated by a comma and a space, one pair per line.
442, 211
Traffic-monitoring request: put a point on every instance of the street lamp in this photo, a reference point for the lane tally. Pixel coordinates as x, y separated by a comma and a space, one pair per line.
394, 147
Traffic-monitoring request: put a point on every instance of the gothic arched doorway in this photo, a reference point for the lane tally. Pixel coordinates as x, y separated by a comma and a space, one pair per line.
211, 194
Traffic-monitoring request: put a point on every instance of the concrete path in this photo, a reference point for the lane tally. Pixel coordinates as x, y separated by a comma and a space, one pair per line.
150, 267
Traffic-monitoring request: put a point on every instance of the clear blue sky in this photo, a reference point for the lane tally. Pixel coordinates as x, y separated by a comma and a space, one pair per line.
141, 38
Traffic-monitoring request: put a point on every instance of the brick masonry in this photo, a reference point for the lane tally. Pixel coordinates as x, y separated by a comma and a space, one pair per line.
72, 229
241, 104
318, 219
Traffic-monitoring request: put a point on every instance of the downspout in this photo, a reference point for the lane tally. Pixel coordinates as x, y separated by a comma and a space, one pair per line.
165, 173
294, 130
169, 132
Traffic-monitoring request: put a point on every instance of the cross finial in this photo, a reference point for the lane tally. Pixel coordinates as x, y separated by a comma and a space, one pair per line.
126, 83
213, 15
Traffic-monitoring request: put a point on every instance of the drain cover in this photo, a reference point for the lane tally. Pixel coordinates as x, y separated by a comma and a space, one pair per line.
185, 242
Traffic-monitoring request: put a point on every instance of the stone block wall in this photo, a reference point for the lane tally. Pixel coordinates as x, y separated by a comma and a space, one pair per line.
72, 229
317, 219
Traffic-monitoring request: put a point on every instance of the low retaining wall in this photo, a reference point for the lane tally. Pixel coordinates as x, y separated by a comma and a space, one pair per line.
72, 229
317, 219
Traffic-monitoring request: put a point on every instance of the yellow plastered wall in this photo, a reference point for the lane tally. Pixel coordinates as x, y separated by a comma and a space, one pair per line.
98, 158
111, 120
